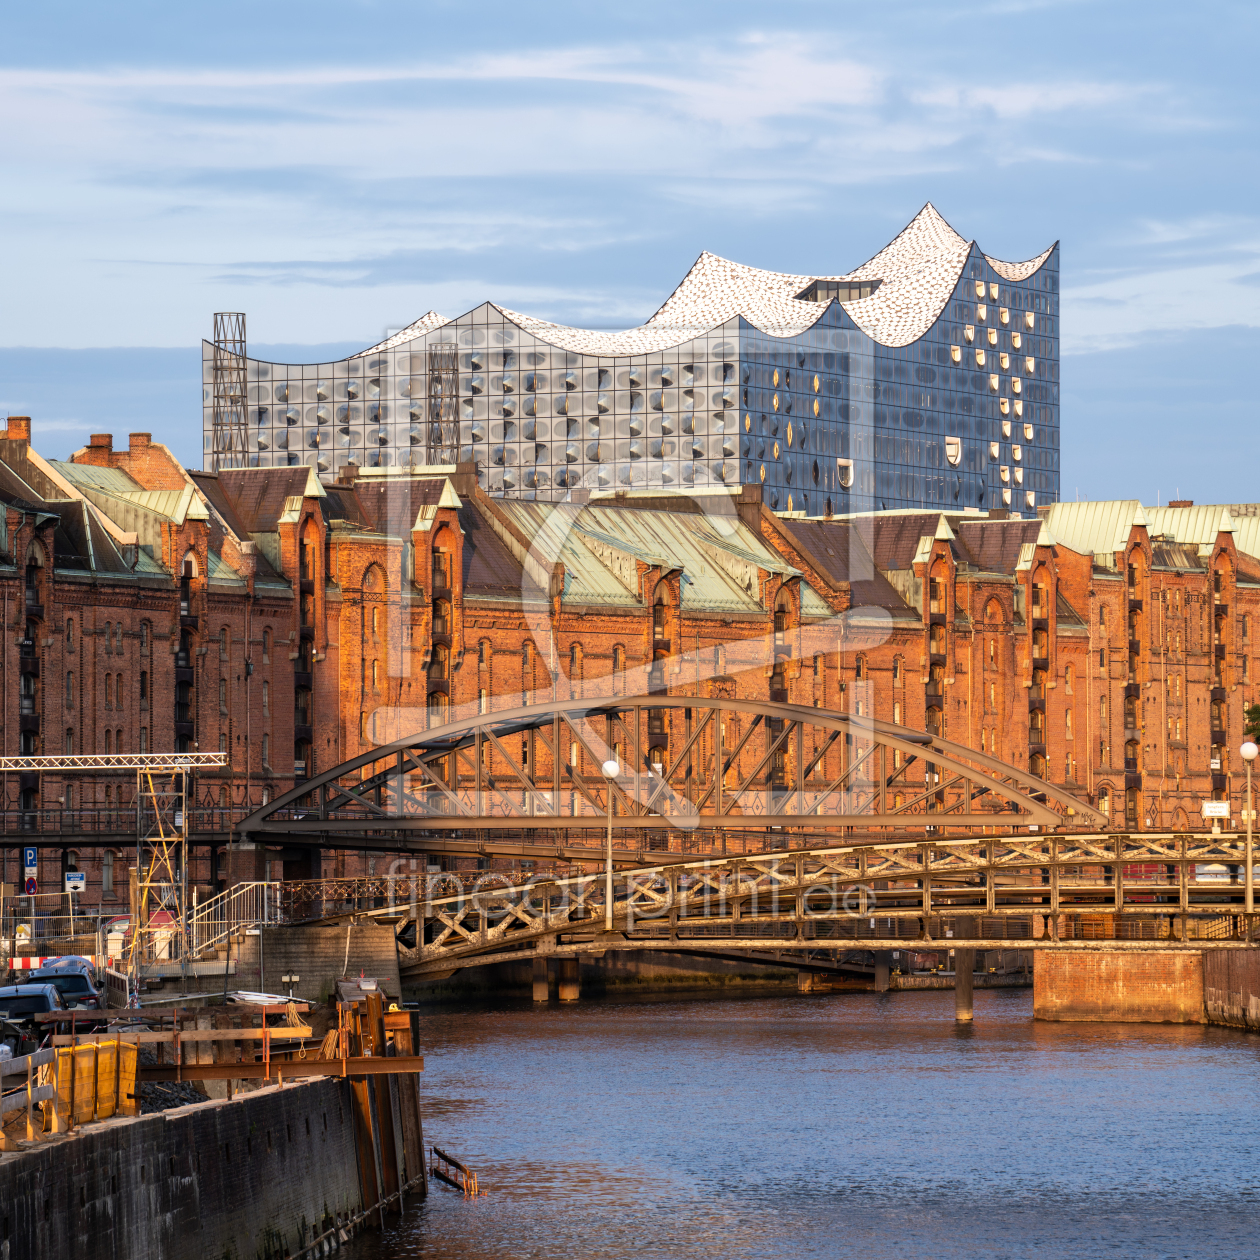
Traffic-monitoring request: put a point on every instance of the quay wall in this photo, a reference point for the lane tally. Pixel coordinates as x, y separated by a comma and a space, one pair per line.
1231, 988
257, 1177
1097, 987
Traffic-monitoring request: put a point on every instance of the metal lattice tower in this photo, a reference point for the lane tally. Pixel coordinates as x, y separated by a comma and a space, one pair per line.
160, 929
231, 432
442, 426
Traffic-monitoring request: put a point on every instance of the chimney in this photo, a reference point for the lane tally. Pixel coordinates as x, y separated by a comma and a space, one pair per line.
1171, 502
19, 429
98, 451
138, 441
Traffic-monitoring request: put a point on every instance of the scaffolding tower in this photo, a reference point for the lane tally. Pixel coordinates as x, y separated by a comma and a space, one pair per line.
230, 437
159, 909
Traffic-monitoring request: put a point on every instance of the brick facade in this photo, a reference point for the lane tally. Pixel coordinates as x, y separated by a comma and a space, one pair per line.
296, 624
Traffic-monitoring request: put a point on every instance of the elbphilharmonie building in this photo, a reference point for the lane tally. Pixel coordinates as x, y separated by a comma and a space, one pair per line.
927, 377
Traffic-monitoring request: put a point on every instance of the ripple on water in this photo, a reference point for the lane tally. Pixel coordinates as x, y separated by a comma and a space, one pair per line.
832, 1125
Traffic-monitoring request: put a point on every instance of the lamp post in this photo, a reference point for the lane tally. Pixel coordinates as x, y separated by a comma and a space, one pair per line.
611, 770
1249, 751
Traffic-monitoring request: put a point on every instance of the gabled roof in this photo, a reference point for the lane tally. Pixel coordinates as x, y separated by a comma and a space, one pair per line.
1095, 528
257, 495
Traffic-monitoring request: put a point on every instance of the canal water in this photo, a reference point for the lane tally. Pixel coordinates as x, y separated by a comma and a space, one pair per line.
833, 1125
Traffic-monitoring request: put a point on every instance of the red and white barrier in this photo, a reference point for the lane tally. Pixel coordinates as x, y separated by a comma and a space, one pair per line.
30, 963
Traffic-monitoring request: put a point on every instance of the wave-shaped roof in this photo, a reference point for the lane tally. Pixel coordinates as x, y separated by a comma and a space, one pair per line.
917, 270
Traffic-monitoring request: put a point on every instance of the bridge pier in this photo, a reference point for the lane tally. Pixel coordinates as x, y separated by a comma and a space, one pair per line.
964, 971
883, 970
569, 983
541, 985
804, 982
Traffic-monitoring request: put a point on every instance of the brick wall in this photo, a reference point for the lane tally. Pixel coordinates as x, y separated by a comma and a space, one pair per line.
254, 1177
1127, 988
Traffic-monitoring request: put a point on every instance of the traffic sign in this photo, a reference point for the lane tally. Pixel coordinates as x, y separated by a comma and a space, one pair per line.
32, 885
76, 881
30, 860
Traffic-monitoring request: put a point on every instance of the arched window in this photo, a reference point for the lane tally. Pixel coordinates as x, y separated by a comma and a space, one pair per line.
897, 712
266, 647
109, 637
1102, 617
660, 631
441, 617
109, 743
439, 663
144, 739
376, 621
483, 654
118, 628
223, 643
69, 690
266, 699
107, 873
146, 635
266, 750
1069, 674
109, 691
376, 674
69, 745
34, 563
859, 668
223, 699
70, 635
781, 611
897, 671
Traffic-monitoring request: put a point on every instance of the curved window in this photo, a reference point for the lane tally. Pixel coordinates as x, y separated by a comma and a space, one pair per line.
70, 635
266, 647
69, 690
441, 617
439, 663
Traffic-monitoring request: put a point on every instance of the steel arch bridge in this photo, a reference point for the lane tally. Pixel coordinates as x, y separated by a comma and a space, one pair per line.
693, 771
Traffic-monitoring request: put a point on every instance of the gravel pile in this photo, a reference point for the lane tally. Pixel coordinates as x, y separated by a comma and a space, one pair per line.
162, 1095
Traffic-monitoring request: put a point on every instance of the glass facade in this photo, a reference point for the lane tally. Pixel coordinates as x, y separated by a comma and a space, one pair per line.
825, 419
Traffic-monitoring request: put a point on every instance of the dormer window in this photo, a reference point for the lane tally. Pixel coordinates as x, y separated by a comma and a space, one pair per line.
841, 290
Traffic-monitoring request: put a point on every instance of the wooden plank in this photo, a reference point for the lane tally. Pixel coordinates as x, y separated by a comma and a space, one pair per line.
147, 1013
15, 1067
16, 1101
384, 1102
398, 1023
192, 1035
287, 1068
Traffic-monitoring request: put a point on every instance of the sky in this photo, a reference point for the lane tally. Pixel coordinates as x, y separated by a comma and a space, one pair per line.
334, 170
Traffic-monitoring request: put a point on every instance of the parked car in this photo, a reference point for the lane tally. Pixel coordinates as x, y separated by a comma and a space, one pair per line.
19, 1003
17, 1040
75, 979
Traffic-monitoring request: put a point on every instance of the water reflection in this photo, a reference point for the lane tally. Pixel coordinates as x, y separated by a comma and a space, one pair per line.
835, 1125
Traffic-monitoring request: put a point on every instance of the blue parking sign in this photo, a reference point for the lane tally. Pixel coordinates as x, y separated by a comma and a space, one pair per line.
30, 860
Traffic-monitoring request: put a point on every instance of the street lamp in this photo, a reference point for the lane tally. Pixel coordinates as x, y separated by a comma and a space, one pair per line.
611, 770
1248, 751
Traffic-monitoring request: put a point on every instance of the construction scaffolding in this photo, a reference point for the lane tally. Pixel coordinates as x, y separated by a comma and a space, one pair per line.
159, 925
230, 430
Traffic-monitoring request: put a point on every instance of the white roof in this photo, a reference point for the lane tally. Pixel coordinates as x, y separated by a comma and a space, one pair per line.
918, 270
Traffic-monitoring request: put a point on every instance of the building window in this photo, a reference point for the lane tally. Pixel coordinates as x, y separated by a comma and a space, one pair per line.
144, 688
223, 705
144, 739
144, 636
483, 701
1067, 723
483, 654
118, 741
109, 746
70, 636
69, 690
1068, 675
118, 690
109, 691
69, 749
266, 750
266, 699
107, 873
859, 668
1102, 710
223, 643
223, 741
108, 639
118, 637
266, 647
376, 674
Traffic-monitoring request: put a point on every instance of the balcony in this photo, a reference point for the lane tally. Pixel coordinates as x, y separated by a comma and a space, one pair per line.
1132, 691
1219, 651
1135, 647
183, 674
302, 678
35, 610
1218, 693
936, 618
1036, 700
937, 658
307, 632
1219, 782
1218, 735
26, 647
187, 621
29, 665
1132, 780
302, 731
184, 728
1036, 743
306, 586
778, 695
1135, 605
1041, 663
934, 690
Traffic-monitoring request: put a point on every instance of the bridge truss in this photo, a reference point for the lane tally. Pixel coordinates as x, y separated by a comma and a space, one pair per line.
689, 767
1097, 891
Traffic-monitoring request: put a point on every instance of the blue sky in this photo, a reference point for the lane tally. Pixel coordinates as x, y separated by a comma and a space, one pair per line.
334, 170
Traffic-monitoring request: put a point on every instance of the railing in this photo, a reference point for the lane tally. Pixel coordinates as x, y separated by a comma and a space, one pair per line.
232, 912
117, 821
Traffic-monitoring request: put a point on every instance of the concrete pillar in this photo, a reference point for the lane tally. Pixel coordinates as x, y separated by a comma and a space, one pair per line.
569, 983
540, 980
804, 981
883, 969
